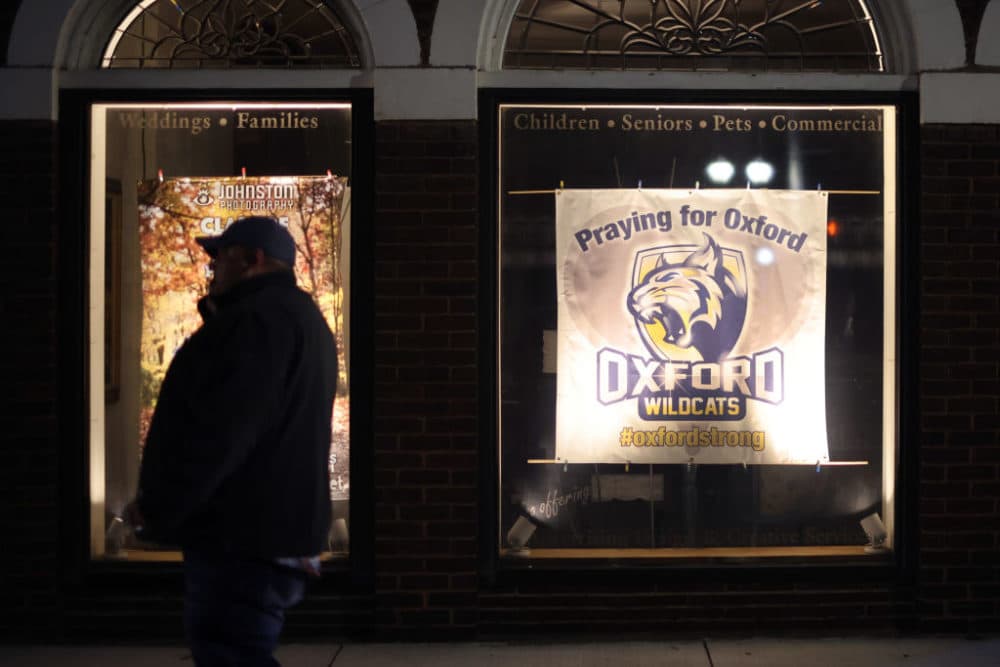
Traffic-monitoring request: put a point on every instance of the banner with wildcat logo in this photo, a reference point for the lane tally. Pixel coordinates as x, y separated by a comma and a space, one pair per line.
691, 326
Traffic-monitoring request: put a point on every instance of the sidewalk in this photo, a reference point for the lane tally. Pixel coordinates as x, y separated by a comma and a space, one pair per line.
920, 652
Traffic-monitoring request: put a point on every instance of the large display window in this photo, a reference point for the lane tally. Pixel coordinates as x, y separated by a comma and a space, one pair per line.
697, 329
161, 176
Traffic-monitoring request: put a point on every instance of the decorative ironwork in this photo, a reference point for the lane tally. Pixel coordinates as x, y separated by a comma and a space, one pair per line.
231, 33
831, 35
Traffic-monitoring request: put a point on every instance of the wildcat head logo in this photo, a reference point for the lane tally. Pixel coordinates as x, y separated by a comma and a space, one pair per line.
689, 300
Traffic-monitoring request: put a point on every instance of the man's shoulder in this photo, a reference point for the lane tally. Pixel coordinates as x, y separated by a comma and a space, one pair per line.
287, 297
290, 306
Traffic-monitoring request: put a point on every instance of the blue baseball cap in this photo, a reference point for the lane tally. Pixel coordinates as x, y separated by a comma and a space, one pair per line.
256, 231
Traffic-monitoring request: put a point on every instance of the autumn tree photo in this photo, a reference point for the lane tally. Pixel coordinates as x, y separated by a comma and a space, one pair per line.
173, 213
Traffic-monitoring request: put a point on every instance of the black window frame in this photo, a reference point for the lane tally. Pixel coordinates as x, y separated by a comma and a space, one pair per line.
77, 567
901, 564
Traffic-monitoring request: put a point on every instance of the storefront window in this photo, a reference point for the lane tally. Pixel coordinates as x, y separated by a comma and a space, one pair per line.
162, 175
697, 329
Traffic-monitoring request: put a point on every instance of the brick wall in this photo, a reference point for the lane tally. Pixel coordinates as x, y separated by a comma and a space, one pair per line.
29, 453
958, 586
426, 440
960, 369
679, 604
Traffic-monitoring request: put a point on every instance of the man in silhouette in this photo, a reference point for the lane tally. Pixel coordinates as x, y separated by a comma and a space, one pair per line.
235, 468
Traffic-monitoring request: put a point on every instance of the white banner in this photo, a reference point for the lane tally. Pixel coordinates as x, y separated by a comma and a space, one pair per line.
691, 326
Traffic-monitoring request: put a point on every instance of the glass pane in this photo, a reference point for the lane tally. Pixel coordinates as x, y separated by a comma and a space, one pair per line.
706, 492
694, 35
163, 175
231, 34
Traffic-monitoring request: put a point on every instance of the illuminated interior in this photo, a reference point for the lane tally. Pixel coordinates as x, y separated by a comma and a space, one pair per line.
161, 175
668, 502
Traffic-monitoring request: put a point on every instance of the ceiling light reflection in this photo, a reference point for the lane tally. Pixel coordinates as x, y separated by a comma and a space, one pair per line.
759, 172
721, 171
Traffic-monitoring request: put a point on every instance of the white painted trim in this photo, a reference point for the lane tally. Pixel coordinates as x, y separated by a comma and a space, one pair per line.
29, 93
107, 58
95, 339
693, 80
86, 32
137, 79
425, 94
890, 323
960, 97
927, 31
457, 28
938, 33
465, 31
72, 34
53, 32
392, 31
497, 18
987, 45
35, 34
892, 21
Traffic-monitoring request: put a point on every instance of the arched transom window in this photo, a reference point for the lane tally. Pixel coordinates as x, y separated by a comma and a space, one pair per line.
215, 34
756, 35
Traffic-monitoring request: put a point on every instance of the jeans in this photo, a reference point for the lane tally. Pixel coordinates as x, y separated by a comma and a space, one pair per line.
234, 609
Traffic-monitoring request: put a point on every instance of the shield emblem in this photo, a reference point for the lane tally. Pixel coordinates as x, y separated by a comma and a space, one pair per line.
683, 310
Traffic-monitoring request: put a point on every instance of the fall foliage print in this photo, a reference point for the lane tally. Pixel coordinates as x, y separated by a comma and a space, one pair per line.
174, 212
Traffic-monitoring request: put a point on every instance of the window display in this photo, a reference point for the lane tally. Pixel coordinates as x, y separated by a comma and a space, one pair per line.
726, 290
697, 328
169, 174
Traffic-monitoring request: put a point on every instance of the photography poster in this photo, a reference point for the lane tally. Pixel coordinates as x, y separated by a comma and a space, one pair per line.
691, 326
173, 212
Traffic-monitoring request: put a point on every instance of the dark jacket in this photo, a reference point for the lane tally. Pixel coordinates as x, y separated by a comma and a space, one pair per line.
237, 456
